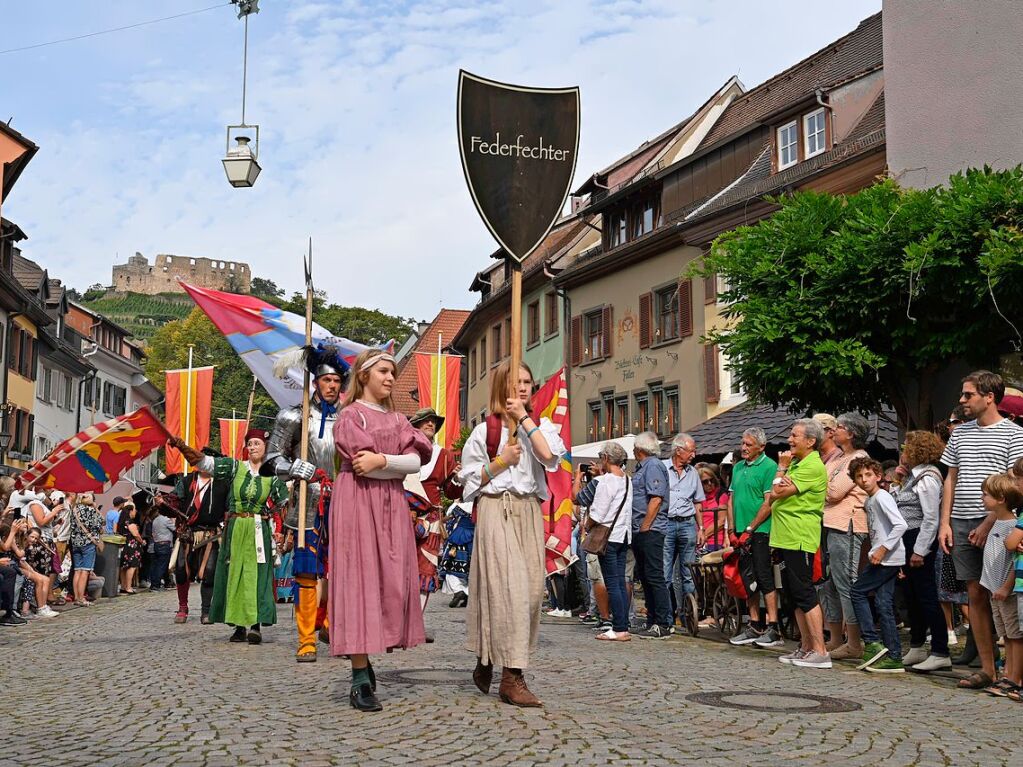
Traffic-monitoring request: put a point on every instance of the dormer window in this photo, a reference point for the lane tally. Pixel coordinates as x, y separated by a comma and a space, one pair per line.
788, 145
813, 132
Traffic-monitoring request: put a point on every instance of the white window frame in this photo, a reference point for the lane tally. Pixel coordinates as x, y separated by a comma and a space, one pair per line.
794, 126
822, 146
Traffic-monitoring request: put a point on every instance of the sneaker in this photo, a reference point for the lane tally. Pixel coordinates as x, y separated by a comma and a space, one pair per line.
748, 636
47, 612
602, 625
814, 660
770, 638
845, 652
872, 652
654, 632
914, 656
12, 619
587, 618
953, 638
931, 663
789, 658
887, 665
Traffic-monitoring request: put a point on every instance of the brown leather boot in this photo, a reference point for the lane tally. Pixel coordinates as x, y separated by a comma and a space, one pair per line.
482, 676
513, 689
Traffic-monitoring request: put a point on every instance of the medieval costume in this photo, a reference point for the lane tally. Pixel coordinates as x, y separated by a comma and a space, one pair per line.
283, 460
506, 580
374, 578
456, 553
202, 504
438, 480
243, 586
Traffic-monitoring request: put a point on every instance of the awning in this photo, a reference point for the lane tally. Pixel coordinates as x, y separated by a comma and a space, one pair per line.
591, 449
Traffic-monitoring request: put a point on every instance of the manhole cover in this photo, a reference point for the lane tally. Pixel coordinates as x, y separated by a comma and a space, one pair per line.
430, 676
778, 702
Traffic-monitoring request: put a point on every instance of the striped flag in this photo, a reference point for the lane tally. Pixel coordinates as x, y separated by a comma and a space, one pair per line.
188, 404
440, 373
551, 402
260, 334
232, 435
94, 459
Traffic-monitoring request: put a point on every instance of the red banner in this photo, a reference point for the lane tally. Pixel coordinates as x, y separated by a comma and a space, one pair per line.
551, 402
189, 399
94, 459
232, 436
440, 373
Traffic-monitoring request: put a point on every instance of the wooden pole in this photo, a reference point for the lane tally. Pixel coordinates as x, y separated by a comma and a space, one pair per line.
303, 486
188, 408
515, 340
252, 397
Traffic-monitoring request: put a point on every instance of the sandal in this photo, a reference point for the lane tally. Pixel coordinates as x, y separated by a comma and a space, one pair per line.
1002, 687
978, 680
1016, 695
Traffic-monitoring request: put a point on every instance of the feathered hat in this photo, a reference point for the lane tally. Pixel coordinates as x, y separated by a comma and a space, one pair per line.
320, 360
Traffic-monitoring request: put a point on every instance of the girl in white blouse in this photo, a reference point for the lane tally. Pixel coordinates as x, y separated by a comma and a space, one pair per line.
507, 482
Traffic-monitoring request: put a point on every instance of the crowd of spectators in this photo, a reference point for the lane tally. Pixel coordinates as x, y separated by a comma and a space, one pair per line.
855, 555
51, 543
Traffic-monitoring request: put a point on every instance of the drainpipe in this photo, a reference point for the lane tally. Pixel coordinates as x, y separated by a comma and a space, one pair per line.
9, 337
566, 323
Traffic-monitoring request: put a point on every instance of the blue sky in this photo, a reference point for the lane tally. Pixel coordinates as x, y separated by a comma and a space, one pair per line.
356, 106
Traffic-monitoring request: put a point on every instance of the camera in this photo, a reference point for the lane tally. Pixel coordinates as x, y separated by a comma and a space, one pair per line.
587, 470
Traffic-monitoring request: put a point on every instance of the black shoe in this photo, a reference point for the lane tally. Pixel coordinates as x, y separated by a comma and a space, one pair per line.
429, 638
238, 635
461, 599
363, 699
254, 636
11, 619
204, 619
654, 632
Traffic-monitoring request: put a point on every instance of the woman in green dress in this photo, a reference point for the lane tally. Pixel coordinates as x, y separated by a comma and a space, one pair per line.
243, 586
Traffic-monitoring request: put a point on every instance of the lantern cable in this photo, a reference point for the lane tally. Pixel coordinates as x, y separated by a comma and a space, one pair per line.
115, 29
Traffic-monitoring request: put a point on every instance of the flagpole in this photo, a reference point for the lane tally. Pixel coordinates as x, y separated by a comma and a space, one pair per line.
515, 339
436, 389
188, 406
252, 397
303, 487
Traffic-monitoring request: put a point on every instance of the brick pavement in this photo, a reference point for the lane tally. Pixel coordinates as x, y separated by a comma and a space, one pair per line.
149, 692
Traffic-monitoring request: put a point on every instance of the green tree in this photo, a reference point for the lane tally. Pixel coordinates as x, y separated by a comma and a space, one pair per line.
364, 326
266, 289
849, 303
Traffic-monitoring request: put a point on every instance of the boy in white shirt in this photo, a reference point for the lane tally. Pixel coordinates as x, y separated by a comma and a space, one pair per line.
887, 556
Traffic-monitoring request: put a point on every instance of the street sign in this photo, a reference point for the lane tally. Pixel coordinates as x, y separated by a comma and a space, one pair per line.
519, 148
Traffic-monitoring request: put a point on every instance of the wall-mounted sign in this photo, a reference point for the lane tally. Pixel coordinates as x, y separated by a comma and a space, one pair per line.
518, 148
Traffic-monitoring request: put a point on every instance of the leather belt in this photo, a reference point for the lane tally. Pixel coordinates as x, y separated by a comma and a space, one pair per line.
246, 514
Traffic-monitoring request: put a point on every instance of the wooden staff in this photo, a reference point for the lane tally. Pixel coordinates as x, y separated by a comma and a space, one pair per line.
515, 339
303, 486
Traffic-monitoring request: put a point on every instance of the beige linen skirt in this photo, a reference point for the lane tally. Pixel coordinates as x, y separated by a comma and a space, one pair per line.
506, 580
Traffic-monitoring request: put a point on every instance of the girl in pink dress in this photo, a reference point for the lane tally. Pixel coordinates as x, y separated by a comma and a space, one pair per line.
374, 571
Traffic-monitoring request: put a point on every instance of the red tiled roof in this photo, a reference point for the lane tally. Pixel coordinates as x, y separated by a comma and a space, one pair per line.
858, 52
446, 325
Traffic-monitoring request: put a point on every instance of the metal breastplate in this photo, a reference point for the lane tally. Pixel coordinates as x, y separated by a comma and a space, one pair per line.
286, 440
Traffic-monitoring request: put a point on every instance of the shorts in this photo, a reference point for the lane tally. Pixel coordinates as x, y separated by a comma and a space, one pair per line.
593, 571
798, 579
967, 558
1006, 615
84, 558
763, 568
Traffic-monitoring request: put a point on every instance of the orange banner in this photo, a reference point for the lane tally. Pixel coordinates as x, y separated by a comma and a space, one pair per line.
188, 404
232, 435
440, 373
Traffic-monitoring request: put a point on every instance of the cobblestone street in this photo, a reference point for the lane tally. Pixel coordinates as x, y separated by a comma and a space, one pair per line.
139, 690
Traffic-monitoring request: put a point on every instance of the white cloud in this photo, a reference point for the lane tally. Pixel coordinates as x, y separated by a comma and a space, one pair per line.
356, 106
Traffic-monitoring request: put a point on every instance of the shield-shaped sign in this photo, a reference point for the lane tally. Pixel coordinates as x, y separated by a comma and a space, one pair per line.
519, 147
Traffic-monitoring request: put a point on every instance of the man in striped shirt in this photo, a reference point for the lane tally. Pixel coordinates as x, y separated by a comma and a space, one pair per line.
987, 445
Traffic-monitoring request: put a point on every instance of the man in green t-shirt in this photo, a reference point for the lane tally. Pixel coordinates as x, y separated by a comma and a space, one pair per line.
750, 490
797, 510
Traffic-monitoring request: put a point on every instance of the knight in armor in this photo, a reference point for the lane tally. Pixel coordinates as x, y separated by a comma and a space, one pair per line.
202, 505
329, 373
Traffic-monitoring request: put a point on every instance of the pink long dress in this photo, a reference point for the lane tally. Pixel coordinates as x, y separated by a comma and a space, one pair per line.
374, 573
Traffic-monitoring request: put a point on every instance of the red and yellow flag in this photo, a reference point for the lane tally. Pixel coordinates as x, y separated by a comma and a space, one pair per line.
94, 459
232, 436
440, 373
189, 399
551, 402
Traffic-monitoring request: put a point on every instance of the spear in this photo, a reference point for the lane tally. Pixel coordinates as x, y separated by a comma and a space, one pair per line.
303, 487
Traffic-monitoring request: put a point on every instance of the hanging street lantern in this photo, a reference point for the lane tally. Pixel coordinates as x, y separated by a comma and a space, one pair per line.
240, 163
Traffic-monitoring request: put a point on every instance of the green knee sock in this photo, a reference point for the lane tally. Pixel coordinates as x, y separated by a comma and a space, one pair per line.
360, 676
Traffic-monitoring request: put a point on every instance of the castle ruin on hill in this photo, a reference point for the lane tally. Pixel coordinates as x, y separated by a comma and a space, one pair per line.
138, 276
